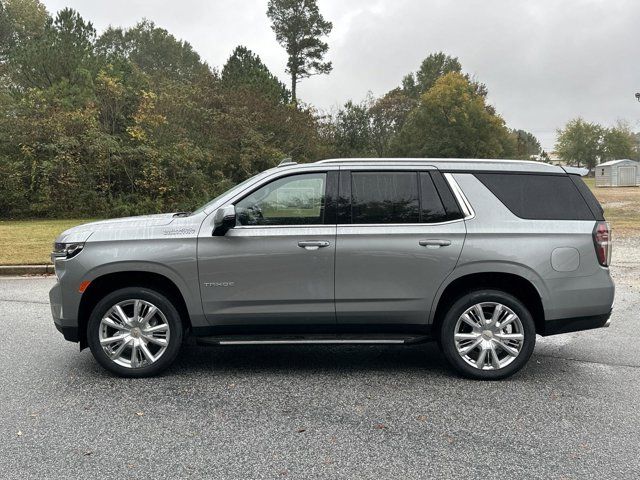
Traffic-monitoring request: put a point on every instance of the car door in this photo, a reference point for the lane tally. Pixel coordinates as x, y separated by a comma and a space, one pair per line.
276, 267
398, 238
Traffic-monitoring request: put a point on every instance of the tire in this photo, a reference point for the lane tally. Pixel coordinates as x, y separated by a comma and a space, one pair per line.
156, 328
508, 335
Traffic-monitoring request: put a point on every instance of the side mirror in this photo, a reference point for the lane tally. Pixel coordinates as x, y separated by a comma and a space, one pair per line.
223, 220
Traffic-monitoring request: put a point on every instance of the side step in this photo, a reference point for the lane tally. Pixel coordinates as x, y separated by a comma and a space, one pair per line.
312, 339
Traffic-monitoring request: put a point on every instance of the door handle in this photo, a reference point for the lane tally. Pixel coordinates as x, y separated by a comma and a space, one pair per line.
313, 244
434, 243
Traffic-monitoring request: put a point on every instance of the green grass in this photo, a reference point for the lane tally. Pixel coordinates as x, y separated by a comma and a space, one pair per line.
29, 242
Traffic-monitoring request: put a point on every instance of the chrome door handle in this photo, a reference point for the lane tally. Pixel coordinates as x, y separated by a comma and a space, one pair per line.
434, 243
313, 244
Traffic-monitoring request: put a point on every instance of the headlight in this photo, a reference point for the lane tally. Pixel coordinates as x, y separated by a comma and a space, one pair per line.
66, 250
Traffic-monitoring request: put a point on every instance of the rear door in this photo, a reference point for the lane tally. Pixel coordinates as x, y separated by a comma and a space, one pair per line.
400, 233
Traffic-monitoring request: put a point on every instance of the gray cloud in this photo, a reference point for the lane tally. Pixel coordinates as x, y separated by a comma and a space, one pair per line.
544, 62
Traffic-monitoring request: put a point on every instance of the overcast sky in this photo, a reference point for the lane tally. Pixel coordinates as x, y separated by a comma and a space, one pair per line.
544, 61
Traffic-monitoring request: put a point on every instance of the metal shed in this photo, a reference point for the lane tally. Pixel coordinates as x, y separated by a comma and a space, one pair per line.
618, 173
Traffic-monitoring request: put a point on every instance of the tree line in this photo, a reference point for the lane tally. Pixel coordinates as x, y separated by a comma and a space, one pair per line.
583, 143
132, 120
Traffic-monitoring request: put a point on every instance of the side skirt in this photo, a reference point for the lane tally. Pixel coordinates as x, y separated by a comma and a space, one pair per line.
311, 339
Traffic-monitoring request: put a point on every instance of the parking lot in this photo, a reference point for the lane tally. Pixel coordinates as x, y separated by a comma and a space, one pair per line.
320, 412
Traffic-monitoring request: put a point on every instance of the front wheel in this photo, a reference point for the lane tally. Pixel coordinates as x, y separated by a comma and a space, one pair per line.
134, 332
487, 335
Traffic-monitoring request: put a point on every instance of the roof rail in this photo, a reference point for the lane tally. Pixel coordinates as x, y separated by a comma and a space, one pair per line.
286, 161
374, 159
425, 160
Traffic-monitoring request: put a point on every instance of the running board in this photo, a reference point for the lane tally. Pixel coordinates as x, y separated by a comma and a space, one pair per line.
311, 339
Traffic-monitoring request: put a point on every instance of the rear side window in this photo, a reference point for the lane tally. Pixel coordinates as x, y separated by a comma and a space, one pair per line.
451, 208
432, 209
538, 197
384, 197
400, 197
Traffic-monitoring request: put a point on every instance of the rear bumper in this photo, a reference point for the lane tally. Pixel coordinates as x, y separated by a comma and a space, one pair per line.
575, 324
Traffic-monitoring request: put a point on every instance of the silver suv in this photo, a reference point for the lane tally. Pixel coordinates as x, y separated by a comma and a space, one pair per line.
479, 255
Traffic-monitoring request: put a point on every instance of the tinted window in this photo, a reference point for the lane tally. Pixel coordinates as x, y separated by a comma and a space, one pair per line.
437, 201
588, 196
538, 197
384, 197
295, 200
432, 209
448, 200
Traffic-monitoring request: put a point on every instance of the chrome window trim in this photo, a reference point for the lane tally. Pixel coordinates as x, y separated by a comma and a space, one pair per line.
356, 225
466, 207
378, 225
259, 227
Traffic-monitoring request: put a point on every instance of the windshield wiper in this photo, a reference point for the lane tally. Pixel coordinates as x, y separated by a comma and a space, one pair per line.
182, 214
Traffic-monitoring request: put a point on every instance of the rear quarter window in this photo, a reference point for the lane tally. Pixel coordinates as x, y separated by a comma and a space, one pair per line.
589, 197
538, 197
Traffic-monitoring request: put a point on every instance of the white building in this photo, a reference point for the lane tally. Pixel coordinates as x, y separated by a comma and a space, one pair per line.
618, 173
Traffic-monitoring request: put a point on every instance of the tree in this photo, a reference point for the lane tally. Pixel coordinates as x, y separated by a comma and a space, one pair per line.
544, 157
388, 115
636, 146
154, 50
353, 130
299, 26
618, 142
527, 145
452, 120
580, 142
435, 66
245, 69
20, 22
61, 51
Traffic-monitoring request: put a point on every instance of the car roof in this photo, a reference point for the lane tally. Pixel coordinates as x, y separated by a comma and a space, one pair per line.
447, 164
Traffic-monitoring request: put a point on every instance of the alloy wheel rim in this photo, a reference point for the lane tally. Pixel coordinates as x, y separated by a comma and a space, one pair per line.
489, 336
134, 333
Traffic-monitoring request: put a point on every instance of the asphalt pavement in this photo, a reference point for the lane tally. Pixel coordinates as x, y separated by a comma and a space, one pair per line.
317, 412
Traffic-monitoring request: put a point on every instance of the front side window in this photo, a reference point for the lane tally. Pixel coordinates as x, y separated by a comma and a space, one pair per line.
294, 200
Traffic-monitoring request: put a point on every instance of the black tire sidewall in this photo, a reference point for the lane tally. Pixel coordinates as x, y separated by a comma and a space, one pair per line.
446, 334
152, 296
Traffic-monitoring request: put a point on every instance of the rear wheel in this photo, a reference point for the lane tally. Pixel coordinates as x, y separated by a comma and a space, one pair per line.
488, 335
135, 332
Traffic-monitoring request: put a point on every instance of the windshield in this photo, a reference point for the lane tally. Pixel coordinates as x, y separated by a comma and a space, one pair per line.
231, 190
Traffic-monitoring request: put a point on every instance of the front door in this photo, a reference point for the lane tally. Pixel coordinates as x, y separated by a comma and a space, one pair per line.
398, 240
276, 267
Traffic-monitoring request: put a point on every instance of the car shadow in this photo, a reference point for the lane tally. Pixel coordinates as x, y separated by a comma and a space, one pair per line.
307, 359
316, 360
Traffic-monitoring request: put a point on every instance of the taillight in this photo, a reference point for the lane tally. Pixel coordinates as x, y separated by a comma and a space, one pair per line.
602, 242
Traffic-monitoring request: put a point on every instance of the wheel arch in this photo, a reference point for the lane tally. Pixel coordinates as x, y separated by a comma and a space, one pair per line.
517, 285
109, 282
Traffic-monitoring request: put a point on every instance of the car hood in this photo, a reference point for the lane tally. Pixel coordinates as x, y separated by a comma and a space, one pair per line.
82, 232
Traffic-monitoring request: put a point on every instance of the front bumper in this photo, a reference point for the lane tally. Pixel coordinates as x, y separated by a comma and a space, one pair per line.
576, 324
68, 327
